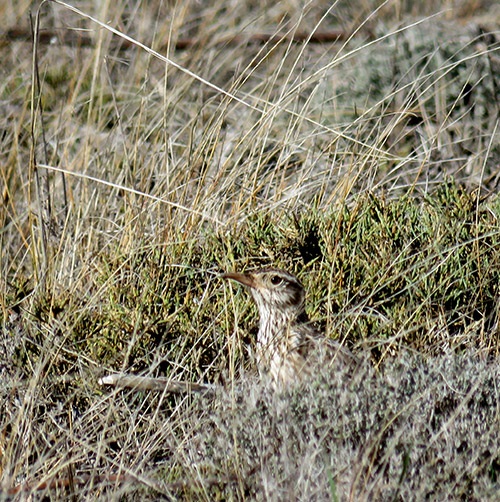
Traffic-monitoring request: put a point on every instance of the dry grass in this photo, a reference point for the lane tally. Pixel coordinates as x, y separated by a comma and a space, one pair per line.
367, 165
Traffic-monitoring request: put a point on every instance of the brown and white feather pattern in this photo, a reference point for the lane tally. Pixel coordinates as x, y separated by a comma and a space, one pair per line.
286, 341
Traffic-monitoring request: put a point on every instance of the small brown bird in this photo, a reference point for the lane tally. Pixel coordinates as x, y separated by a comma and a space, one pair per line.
287, 344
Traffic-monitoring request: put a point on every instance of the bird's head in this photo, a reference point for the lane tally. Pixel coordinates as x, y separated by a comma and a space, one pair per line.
273, 290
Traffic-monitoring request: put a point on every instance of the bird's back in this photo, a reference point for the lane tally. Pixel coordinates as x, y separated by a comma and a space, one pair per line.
301, 353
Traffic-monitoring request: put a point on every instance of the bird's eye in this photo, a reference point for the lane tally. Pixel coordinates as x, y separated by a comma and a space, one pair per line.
276, 279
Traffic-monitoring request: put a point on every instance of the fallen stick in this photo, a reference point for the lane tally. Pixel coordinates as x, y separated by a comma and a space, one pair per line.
148, 383
83, 39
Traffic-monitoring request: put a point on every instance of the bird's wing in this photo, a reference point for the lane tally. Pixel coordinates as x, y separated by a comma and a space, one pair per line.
309, 340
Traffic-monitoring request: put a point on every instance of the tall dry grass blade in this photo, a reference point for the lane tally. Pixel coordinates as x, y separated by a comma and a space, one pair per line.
39, 248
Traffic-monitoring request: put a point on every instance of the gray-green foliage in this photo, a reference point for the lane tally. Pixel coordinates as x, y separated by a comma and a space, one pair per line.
421, 428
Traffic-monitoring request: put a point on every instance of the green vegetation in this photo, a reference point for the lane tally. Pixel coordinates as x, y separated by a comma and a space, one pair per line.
367, 166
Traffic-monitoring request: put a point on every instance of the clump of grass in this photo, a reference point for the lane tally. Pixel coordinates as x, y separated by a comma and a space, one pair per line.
362, 166
377, 293
381, 274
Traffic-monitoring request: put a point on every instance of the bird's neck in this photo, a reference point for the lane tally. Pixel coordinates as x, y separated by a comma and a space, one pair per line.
274, 324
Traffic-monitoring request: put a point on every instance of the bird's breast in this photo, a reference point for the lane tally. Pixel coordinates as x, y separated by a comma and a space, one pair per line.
279, 353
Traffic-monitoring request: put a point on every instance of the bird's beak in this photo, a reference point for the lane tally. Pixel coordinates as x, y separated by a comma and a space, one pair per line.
246, 280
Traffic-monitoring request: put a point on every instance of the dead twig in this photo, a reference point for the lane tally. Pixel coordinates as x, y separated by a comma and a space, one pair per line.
83, 39
160, 384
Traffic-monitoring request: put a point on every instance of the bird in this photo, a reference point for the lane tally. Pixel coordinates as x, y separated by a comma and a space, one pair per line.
288, 346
